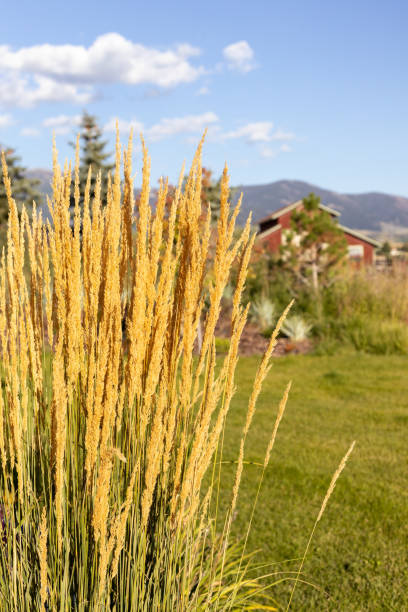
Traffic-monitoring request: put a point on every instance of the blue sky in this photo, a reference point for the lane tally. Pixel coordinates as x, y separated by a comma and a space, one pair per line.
315, 91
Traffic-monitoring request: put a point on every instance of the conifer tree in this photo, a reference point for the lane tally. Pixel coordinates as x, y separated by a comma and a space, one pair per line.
211, 193
93, 154
24, 188
315, 245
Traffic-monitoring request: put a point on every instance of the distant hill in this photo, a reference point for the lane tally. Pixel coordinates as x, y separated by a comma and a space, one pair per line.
44, 186
378, 213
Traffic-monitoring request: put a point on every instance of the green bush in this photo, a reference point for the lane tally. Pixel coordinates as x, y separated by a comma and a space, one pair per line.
263, 312
222, 345
296, 328
375, 335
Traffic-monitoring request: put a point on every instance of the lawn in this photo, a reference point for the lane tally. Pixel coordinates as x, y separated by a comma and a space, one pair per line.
359, 555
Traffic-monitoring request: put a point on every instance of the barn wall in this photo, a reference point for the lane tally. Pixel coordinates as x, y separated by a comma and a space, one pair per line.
272, 241
368, 248
284, 220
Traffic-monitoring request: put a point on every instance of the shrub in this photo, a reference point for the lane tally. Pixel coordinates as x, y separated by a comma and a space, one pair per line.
107, 423
374, 335
222, 345
263, 311
368, 309
296, 328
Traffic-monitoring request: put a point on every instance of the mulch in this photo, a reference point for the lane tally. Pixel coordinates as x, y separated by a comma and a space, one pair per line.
254, 343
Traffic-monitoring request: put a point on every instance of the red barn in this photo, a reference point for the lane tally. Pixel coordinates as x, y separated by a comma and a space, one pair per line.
272, 229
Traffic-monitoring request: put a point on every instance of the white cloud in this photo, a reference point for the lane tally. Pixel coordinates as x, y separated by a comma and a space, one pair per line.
68, 72
203, 91
165, 127
30, 132
178, 125
62, 124
6, 120
282, 135
268, 153
24, 91
239, 56
259, 131
124, 126
285, 148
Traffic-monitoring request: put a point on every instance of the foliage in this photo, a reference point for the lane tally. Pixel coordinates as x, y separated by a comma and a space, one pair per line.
296, 328
375, 335
264, 312
108, 425
314, 247
385, 249
93, 154
222, 345
369, 309
347, 311
24, 189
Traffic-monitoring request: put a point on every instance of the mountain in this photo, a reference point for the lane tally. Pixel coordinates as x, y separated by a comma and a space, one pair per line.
380, 214
44, 186
375, 212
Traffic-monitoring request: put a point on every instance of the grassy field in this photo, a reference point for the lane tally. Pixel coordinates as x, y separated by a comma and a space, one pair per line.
359, 555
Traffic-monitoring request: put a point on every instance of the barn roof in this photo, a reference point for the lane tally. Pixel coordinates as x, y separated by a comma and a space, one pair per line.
360, 236
270, 230
288, 207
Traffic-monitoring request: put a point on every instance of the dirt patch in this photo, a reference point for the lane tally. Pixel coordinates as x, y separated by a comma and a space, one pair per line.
254, 343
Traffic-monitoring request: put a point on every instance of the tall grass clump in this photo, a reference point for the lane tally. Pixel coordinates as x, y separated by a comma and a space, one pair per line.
368, 308
108, 423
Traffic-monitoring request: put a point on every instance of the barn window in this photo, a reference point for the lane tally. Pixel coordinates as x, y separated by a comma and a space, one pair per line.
356, 250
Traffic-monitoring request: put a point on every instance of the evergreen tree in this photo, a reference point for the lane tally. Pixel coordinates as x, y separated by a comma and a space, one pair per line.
211, 193
93, 154
24, 189
314, 246
386, 250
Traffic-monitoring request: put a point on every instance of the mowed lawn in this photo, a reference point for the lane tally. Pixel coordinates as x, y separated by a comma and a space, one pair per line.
359, 555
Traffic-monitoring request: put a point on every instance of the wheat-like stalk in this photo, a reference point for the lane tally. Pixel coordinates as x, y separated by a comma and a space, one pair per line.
107, 419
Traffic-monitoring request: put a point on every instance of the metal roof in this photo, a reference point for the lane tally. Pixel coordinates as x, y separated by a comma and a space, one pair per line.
270, 230
360, 236
288, 207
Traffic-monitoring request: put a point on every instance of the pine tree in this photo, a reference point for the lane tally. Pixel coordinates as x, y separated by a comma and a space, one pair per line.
93, 154
211, 194
24, 189
314, 246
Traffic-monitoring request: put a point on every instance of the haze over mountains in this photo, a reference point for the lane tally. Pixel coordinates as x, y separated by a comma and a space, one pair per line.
378, 213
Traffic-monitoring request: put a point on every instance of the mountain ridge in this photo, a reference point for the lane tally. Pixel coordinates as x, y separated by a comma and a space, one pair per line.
376, 212
372, 211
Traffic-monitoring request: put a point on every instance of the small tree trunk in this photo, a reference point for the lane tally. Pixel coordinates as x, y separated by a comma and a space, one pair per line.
315, 277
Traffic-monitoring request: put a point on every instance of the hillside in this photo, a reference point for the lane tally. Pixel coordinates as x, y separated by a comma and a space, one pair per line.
379, 213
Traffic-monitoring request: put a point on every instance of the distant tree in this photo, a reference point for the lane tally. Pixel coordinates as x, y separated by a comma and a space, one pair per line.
211, 193
24, 189
315, 245
93, 154
385, 249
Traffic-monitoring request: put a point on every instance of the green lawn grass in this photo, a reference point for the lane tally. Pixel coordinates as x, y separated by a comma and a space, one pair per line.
359, 555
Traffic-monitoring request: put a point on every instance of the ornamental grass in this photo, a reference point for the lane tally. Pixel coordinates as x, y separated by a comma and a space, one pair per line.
111, 418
